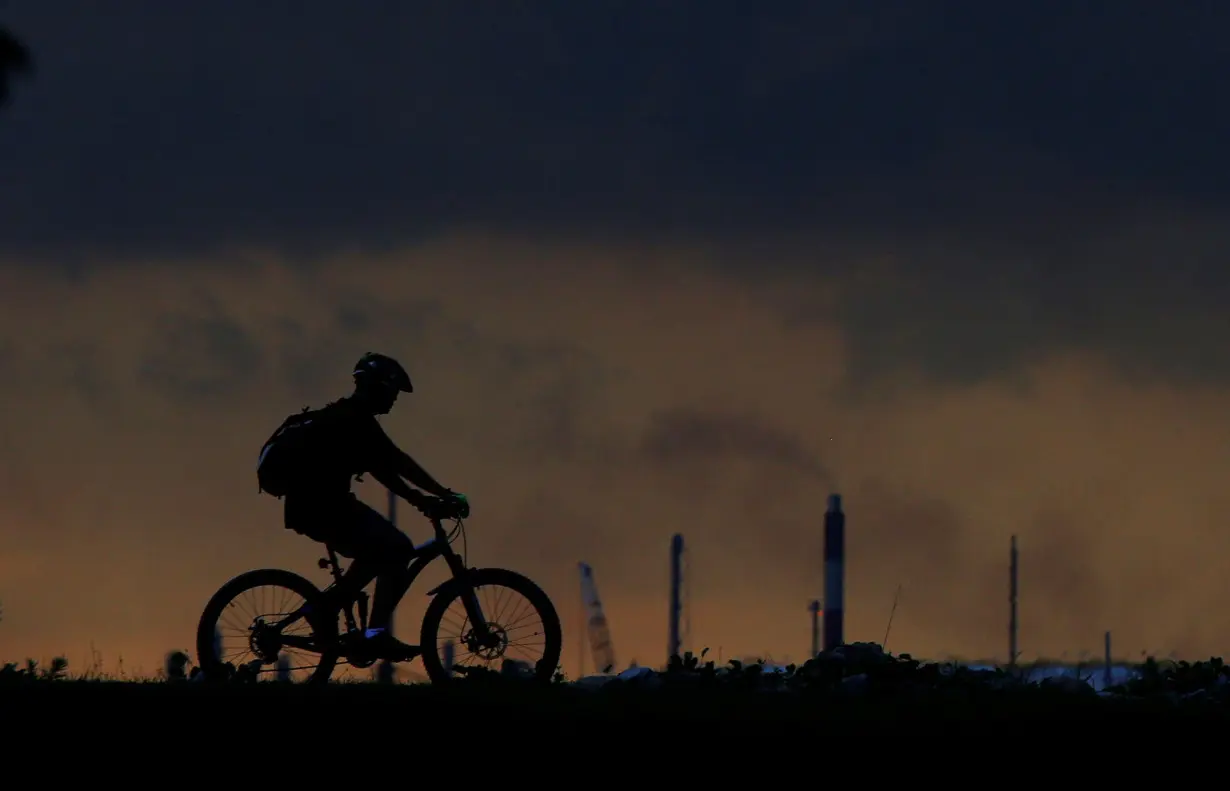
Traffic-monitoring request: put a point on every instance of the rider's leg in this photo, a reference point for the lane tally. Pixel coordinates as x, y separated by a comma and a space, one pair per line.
390, 588
361, 572
330, 520
379, 545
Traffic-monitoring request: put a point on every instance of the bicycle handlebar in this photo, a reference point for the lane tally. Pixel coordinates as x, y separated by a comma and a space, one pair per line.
438, 510
453, 506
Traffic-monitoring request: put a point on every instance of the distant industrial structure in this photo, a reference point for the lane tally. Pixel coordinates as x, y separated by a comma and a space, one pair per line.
814, 609
834, 573
676, 598
826, 616
595, 627
1013, 570
828, 636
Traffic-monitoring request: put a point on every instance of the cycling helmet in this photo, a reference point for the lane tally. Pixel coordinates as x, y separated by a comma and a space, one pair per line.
383, 370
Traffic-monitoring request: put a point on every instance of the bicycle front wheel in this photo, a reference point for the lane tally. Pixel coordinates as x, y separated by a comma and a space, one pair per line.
521, 621
262, 624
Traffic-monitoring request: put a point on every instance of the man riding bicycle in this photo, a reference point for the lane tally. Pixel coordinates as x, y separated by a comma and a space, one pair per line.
311, 460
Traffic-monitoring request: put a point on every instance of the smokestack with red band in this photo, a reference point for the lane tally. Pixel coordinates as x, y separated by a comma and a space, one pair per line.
834, 572
814, 609
676, 603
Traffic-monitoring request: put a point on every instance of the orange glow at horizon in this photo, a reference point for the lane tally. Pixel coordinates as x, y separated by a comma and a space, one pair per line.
592, 401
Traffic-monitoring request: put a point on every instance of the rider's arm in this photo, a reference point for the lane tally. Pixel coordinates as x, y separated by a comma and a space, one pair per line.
394, 483
411, 471
393, 459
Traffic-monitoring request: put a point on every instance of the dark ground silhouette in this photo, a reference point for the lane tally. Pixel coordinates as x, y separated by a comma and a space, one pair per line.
857, 685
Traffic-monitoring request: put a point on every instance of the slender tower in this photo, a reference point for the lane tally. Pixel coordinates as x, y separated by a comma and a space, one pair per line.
1013, 652
676, 583
1108, 671
583, 630
385, 671
595, 623
814, 609
834, 572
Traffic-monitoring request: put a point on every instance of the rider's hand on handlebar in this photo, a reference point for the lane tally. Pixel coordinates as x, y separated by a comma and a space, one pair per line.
459, 504
453, 506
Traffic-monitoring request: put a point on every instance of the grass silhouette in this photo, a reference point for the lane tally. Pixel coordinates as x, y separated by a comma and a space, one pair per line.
855, 684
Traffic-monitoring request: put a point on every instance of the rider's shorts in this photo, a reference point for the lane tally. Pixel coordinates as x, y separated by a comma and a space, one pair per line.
352, 527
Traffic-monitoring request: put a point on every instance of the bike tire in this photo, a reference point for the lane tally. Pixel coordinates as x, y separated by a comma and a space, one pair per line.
434, 616
323, 626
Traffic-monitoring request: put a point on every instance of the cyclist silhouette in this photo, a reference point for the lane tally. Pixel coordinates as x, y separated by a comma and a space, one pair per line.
311, 460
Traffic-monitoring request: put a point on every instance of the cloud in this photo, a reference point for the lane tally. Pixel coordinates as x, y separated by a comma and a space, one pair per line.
974, 217
199, 358
385, 125
682, 438
593, 400
14, 60
754, 261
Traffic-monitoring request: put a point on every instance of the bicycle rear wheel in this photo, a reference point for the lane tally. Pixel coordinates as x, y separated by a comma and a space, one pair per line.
521, 618
267, 623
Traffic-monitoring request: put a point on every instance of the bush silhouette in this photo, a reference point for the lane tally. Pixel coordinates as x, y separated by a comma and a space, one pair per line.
859, 677
57, 670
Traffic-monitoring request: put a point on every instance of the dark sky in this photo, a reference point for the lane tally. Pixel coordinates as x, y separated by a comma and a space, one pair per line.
1066, 132
192, 124
991, 237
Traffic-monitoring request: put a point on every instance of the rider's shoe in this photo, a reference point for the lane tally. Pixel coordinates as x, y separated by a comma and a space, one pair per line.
379, 644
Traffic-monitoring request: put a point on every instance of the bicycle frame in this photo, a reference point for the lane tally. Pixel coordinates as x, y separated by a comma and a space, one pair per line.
435, 547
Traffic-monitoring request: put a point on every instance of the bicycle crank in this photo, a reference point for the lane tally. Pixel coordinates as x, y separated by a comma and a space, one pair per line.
265, 641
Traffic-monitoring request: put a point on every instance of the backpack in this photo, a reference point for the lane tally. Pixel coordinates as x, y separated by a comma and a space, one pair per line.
288, 452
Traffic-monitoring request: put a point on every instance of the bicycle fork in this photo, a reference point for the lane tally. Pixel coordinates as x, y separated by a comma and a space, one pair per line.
469, 600
474, 612
480, 635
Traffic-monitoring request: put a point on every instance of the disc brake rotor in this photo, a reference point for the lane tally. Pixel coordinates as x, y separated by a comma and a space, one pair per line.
493, 647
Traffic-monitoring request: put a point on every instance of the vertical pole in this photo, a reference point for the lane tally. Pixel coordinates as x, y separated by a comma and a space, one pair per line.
283, 668
1013, 570
384, 671
676, 573
814, 609
834, 572
448, 656
685, 573
582, 630
1107, 676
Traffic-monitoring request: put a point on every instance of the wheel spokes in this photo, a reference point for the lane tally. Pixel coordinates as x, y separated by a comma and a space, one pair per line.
515, 630
264, 632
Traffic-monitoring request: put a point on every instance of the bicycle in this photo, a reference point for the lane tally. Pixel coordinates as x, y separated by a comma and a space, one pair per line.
488, 638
